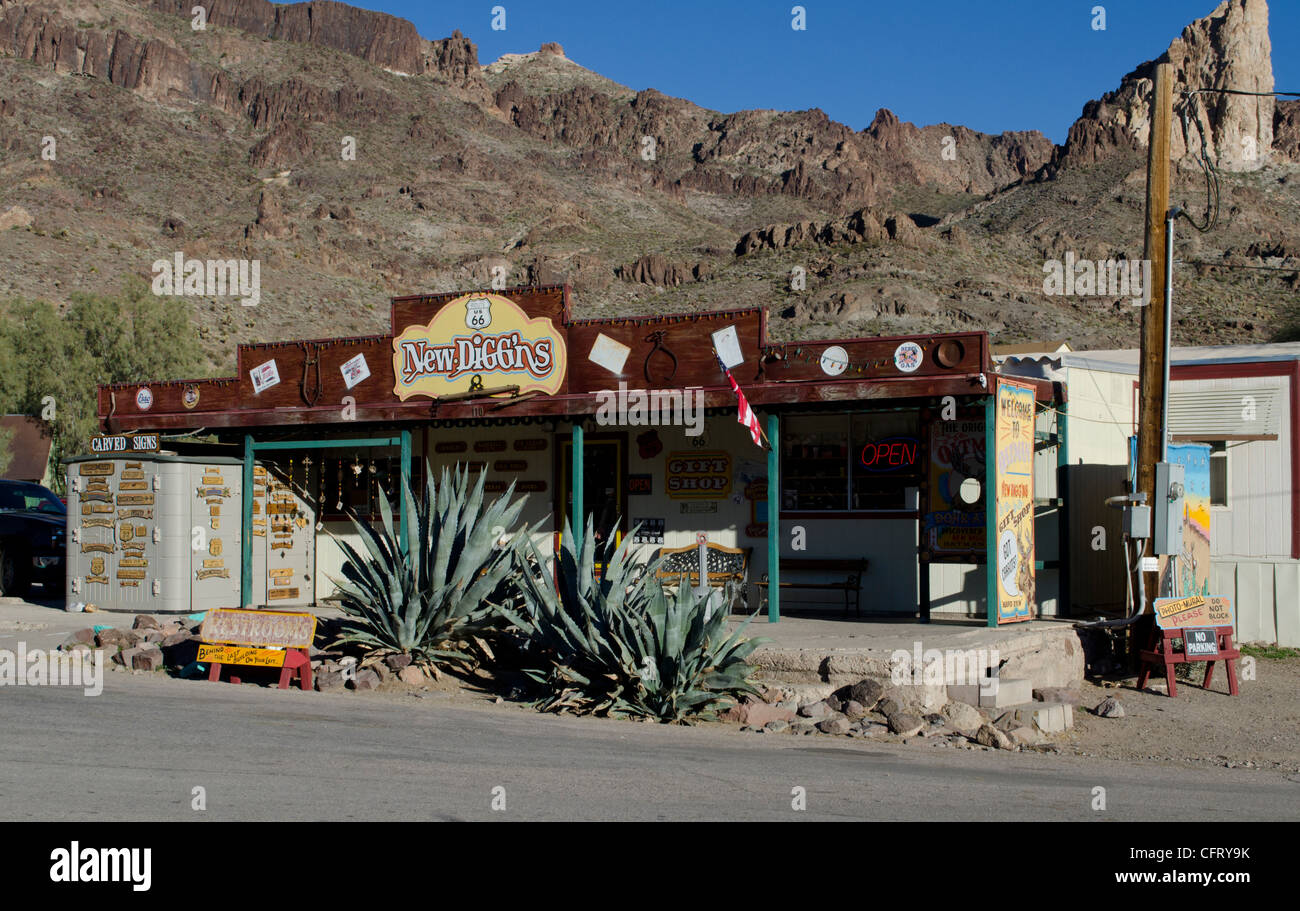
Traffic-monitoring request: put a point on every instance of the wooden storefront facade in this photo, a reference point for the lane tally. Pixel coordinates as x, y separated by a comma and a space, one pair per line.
508, 382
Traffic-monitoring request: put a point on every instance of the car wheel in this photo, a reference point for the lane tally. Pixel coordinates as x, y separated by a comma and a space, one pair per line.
14, 579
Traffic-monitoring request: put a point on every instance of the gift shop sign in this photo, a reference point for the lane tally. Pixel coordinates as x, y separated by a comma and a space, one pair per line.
478, 341
1012, 545
698, 475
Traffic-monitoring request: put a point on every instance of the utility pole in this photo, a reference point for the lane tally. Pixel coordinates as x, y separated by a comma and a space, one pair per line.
1153, 356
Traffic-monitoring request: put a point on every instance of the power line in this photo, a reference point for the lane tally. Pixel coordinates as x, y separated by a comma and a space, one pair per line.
1201, 262
1191, 92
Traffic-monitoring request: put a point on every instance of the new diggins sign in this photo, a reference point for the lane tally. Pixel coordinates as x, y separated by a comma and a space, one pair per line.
478, 336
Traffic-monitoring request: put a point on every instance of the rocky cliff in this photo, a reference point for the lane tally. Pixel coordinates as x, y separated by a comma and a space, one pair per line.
1228, 49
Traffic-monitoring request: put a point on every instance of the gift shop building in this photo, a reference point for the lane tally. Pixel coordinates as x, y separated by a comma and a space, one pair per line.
858, 482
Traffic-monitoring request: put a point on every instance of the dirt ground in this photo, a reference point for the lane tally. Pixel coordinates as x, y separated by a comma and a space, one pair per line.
1258, 729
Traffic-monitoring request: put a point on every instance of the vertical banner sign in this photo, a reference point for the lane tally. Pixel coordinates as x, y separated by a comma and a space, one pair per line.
1014, 501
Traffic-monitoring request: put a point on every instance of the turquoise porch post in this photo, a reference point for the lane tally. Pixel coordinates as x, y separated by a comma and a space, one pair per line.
990, 503
402, 517
246, 528
773, 519
578, 520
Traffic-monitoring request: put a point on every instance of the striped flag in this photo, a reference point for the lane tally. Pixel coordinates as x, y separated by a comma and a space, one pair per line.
745, 414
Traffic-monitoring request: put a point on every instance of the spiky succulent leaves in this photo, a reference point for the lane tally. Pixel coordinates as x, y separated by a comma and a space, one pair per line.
623, 644
437, 593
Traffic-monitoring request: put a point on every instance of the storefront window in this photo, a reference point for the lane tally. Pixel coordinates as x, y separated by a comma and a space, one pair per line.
814, 467
838, 463
886, 462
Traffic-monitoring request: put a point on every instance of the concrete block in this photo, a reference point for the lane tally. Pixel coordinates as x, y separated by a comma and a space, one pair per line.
1008, 692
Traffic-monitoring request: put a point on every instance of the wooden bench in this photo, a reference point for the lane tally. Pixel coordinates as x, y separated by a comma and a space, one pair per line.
723, 564
854, 569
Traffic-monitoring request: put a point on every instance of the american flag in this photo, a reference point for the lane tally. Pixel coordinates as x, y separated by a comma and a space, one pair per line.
745, 414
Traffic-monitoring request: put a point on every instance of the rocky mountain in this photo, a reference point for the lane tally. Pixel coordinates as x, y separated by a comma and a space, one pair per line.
1229, 49
355, 160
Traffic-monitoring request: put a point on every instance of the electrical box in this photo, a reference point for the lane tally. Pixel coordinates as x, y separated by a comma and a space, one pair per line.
1168, 506
1137, 521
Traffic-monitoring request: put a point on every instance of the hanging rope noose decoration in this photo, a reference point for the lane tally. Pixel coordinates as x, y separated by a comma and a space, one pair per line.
311, 358
658, 338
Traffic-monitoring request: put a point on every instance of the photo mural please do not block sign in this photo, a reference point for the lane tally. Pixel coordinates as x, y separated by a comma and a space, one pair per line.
478, 341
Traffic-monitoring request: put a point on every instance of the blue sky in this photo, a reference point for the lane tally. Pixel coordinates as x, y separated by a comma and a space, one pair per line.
991, 65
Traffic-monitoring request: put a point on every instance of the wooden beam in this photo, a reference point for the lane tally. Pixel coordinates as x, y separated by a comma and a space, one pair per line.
1152, 360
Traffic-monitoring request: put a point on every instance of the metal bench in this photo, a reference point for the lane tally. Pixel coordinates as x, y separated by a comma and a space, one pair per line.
854, 568
723, 564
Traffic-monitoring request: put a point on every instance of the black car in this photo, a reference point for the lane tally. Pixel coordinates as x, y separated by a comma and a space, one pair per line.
33, 526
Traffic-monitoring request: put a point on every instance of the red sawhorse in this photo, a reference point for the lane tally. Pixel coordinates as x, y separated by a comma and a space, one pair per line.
296, 664
1160, 654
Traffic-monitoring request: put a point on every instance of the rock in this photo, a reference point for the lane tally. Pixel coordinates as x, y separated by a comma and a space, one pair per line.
153, 636
113, 638
756, 712
15, 217
1060, 694
365, 679
80, 637
837, 725
1026, 736
1229, 48
905, 725
889, 706
776, 727
1109, 708
817, 711
176, 638
330, 681
145, 621
147, 658
834, 703
867, 692
551, 48
989, 736
962, 717
285, 145
126, 657
397, 662
854, 709
802, 727
412, 676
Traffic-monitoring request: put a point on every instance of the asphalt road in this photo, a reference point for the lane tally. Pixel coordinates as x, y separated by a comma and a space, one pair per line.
137, 751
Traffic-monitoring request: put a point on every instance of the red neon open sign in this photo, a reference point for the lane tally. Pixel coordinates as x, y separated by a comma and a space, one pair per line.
890, 454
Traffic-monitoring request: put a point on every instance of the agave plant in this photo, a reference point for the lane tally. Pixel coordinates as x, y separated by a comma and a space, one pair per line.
428, 600
622, 644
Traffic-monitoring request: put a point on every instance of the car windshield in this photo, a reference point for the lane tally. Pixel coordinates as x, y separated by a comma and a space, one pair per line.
29, 498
